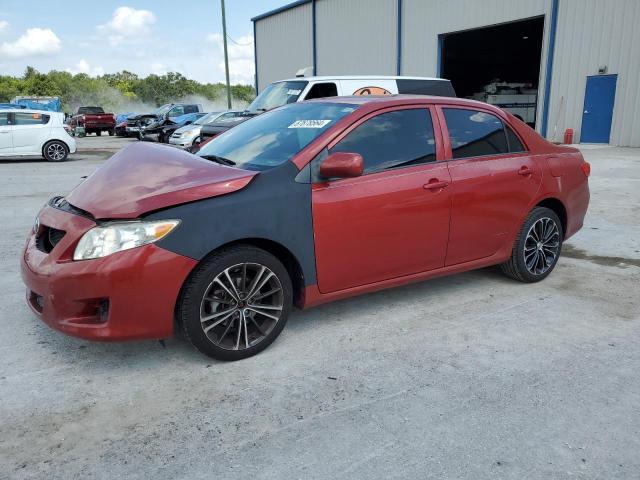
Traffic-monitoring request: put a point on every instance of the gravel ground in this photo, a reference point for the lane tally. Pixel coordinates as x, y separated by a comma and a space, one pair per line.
472, 376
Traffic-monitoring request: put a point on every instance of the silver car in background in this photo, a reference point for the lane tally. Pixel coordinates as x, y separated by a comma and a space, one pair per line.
185, 136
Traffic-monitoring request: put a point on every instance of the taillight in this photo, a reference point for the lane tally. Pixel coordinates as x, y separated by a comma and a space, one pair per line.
586, 168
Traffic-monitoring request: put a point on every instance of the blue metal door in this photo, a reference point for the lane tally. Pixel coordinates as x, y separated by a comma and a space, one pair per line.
598, 108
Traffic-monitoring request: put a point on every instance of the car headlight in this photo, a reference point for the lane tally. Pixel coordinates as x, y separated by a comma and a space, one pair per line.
188, 134
116, 237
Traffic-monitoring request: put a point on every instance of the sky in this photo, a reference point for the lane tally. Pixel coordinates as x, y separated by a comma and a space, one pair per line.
141, 36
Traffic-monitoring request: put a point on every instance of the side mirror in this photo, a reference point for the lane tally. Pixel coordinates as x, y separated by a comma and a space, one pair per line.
342, 165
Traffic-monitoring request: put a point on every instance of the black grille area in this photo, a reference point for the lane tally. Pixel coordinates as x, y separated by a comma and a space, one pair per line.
47, 238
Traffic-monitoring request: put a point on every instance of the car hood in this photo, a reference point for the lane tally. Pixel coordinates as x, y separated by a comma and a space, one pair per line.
145, 177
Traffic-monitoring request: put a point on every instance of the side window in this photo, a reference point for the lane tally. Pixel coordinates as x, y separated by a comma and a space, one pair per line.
176, 111
4, 119
322, 90
31, 119
515, 145
474, 133
391, 140
190, 109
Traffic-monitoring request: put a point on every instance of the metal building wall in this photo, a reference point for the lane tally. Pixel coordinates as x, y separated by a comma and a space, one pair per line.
284, 44
356, 37
591, 34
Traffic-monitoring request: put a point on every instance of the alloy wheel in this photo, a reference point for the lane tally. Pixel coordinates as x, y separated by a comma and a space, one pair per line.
541, 246
241, 306
55, 151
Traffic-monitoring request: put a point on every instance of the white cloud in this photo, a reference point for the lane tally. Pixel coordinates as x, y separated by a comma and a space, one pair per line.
3, 25
128, 23
35, 41
158, 68
83, 67
241, 63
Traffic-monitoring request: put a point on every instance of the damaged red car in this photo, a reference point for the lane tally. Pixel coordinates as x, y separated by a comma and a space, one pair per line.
308, 203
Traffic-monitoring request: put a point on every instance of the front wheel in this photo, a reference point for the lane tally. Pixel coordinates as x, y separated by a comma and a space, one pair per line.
112, 132
55, 151
236, 303
99, 133
537, 247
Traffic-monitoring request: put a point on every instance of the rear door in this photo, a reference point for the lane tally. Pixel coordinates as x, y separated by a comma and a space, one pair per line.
494, 180
6, 142
394, 219
30, 131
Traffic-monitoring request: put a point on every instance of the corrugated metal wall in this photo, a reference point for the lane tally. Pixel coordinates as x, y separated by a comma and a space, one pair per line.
284, 44
591, 34
356, 37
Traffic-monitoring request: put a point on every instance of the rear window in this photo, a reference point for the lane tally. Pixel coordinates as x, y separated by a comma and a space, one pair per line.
439, 88
31, 119
90, 110
474, 133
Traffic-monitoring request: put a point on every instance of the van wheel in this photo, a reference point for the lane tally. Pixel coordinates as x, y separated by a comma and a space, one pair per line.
99, 133
55, 151
235, 303
537, 247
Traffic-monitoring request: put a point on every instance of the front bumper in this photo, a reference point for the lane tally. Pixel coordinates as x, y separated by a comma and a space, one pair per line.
181, 142
125, 296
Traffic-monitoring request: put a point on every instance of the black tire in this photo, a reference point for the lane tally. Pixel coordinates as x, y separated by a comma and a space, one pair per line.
516, 267
55, 151
192, 301
112, 132
99, 133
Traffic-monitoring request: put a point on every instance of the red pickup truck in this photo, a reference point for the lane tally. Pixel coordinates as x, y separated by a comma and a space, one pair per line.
94, 120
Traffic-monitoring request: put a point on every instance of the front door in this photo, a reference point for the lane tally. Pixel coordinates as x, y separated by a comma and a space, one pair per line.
6, 142
494, 180
599, 97
394, 219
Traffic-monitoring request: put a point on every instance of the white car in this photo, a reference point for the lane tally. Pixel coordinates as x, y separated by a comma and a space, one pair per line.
184, 136
25, 132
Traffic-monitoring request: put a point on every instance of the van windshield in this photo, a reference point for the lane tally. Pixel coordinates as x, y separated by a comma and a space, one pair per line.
273, 138
276, 95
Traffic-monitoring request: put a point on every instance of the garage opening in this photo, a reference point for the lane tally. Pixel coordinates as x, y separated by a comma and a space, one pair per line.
499, 65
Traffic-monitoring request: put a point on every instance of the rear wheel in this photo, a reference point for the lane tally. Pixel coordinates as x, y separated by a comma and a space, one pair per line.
235, 303
537, 248
55, 151
99, 133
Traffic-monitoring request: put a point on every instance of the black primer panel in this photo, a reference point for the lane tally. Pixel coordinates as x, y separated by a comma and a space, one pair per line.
438, 88
273, 206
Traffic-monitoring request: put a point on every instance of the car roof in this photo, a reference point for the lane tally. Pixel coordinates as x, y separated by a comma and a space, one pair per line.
359, 77
397, 99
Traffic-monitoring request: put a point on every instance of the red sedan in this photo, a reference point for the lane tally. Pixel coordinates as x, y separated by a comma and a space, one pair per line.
305, 204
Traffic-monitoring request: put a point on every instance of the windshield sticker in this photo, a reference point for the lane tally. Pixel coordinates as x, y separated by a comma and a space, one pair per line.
293, 92
309, 123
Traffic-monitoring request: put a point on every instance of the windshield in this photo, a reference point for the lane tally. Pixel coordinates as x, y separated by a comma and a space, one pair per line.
208, 118
276, 95
273, 138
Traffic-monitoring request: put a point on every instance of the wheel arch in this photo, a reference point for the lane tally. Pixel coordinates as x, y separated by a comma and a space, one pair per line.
282, 253
558, 208
48, 141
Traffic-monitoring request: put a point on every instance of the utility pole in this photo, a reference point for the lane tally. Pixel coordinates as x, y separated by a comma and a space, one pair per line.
226, 56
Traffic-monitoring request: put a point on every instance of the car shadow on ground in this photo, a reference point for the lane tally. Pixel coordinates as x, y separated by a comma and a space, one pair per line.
155, 354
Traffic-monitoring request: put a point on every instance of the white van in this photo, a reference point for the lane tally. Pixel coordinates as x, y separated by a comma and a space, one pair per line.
25, 132
305, 88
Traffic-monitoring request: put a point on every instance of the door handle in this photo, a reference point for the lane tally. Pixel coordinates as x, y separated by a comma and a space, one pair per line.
435, 184
524, 171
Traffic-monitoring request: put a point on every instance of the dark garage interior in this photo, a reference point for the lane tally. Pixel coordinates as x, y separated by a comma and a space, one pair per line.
509, 52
